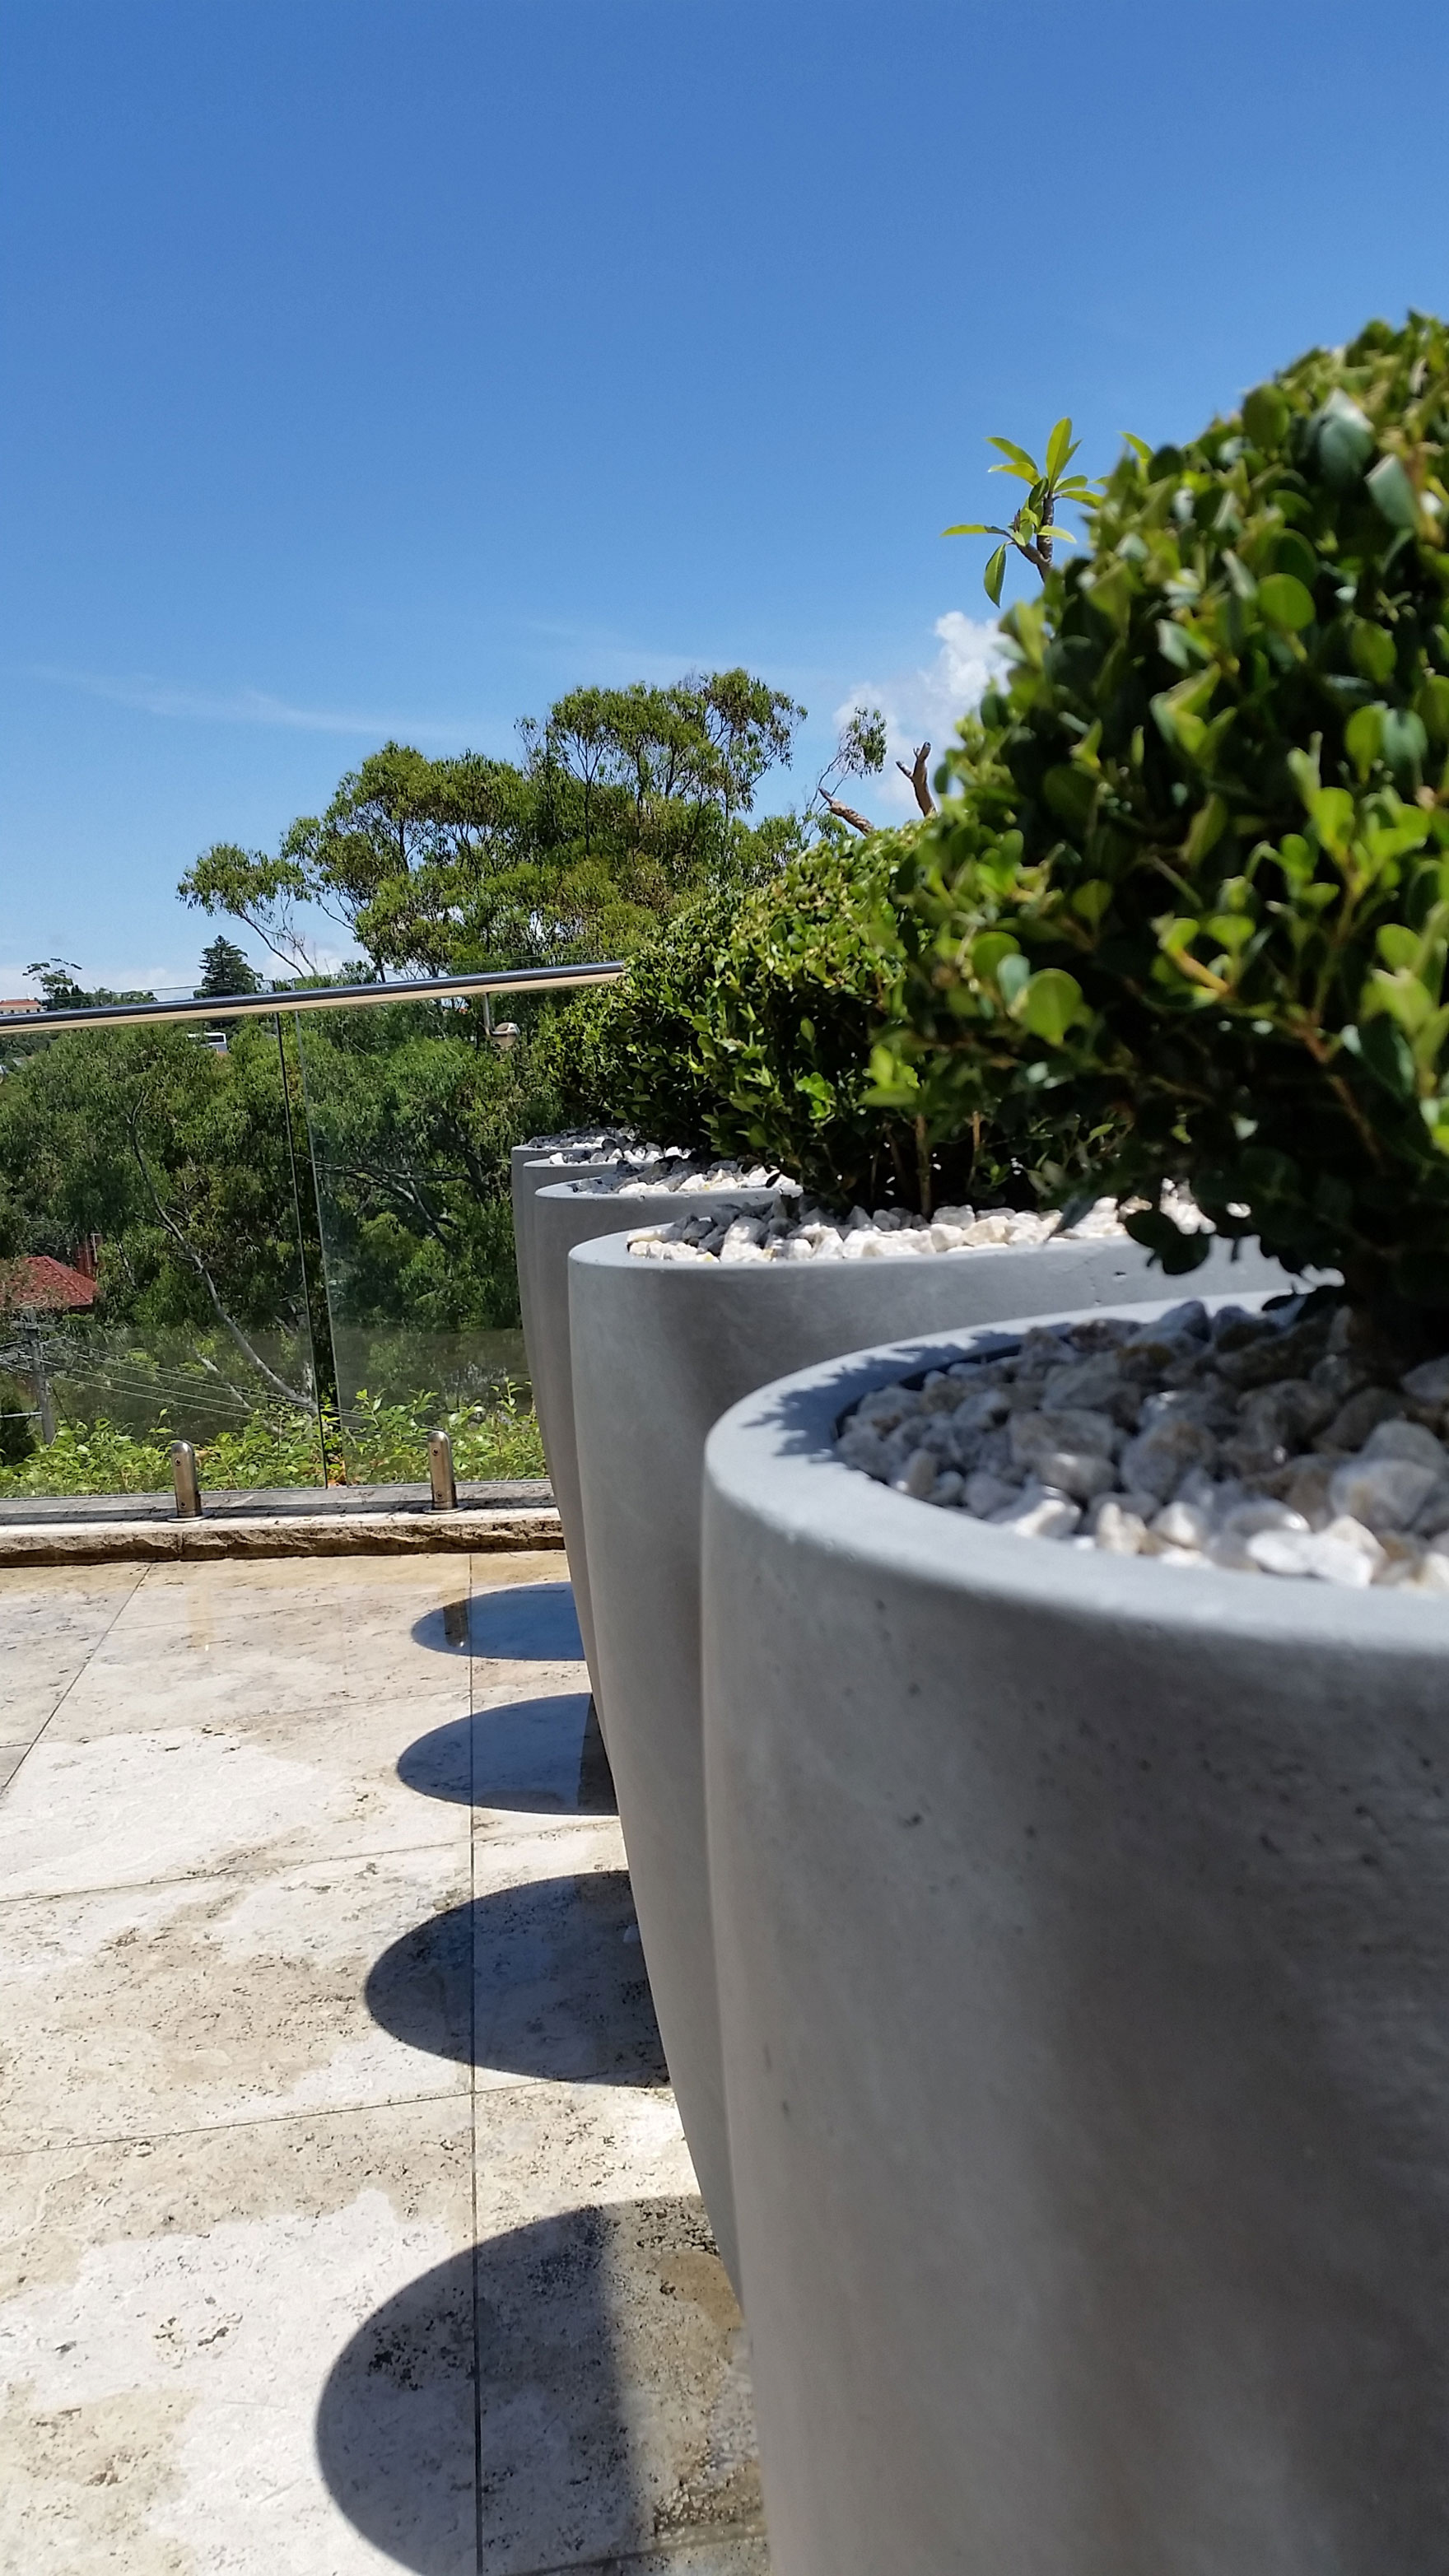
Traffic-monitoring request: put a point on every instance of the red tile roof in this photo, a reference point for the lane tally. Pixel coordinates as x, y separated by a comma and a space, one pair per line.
49, 1286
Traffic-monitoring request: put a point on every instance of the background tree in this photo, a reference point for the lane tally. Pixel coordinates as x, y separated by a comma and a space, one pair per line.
225, 970
625, 802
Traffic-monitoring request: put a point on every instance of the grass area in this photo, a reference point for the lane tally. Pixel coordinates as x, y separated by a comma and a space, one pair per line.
379, 1444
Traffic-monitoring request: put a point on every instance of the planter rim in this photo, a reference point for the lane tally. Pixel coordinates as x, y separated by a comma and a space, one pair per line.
773, 1455
613, 1249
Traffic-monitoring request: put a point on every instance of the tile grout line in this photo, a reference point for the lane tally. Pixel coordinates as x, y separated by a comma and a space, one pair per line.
64, 2145
246, 1878
82, 1668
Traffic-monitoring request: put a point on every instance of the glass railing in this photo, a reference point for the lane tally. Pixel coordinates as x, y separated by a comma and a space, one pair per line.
278, 1229
411, 1111
153, 1284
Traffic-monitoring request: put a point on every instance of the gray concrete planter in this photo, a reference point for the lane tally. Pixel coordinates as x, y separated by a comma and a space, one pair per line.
1083, 1948
659, 1351
558, 1217
531, 1172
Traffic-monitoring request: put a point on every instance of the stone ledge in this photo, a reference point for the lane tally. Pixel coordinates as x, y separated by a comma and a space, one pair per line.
387, 1533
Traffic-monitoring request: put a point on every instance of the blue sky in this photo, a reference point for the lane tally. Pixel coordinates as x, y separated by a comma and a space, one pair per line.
389, 366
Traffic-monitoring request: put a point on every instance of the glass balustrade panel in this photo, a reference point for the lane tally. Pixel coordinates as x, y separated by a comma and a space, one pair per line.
154, 1280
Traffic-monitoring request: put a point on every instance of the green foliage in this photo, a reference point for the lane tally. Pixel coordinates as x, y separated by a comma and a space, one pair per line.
1194, 879
173, 1155
1034, 530
225, 970
412, 1115
745, 1029
626, 802
381, 1444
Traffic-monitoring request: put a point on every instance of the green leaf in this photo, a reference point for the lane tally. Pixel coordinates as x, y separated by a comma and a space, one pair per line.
1286, 602
1394, 495
994, 576
1012, 977
1207, 828
1060, 450
1092, 900
1363, 737
1303, 769
1431, 706
987, 952
1402, 993
1018, 457
1373, 650
1343, 439
1048, 1004
1231, 930
1406, 745
1397, 944
1139, 446
1331, 812
1385, 1050
972, 528
1293, 553
1266, 416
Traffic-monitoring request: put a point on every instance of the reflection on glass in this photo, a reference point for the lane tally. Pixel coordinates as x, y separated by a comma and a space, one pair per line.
153, 1283
411, 1111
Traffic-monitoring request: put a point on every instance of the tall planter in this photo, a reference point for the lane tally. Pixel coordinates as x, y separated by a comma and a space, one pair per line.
559, 1217
530, 1171
1083, 1941
659, 1351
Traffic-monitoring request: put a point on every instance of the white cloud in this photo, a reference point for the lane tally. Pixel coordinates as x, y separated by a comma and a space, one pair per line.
154, 697
927, 704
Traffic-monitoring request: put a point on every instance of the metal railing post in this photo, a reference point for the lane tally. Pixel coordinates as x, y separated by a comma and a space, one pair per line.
185, 1483
440, 1472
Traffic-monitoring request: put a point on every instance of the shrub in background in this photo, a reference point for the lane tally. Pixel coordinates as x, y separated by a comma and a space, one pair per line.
744, 1029
1191, 890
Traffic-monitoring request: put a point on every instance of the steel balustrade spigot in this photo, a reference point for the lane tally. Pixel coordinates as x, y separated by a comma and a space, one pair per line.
440, 1472
185, 1482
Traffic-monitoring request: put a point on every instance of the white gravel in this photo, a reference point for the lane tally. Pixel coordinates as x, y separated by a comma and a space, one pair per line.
807, 1233
604, 1145
1259, 1442
674, 1172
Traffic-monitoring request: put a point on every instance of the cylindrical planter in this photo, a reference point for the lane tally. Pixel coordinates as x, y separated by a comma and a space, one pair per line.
659, 1351
1083, 1949
559, 1217
532, 1171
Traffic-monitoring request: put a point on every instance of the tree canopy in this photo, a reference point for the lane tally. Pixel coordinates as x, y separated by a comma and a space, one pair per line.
624, 803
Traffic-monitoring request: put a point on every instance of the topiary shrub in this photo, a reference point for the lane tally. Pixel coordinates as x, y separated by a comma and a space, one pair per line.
744, 1029
1192, 881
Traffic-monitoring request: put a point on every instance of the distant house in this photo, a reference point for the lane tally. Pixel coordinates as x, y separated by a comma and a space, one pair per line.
40, 1286
26, 1002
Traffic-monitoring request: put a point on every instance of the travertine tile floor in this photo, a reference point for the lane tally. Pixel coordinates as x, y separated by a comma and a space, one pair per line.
346, 2219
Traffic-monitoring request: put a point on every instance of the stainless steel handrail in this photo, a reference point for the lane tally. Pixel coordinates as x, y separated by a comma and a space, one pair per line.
315, 997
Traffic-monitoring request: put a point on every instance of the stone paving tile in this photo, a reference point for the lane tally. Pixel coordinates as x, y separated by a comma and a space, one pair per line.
169, 2324
51, 1623
193, 2003
186, 1801
11, 1756
614, 2410
265, 2304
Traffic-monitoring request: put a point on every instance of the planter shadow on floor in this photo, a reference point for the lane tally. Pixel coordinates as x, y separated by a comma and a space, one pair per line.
521, 1623
543, 1979
612, 2416
536, 1756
